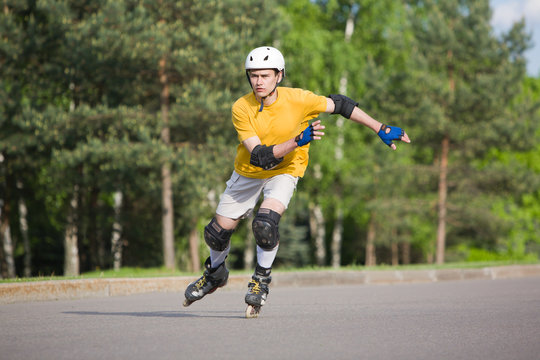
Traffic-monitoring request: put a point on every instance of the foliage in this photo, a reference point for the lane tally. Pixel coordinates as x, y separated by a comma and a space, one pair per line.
80, 117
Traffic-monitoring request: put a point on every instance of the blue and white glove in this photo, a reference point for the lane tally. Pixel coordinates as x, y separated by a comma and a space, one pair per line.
389, 133
305, 136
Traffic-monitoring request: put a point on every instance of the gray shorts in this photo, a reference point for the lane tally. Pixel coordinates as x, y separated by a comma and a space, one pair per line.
242, 193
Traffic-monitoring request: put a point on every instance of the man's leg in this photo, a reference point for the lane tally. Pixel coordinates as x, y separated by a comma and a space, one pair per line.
266, 230
217, 236
238, 200
278, 192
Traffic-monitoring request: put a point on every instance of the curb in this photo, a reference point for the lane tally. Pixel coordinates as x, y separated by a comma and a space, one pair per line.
92, 288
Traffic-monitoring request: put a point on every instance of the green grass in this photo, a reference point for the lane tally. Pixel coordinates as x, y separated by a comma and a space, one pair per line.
136, 272
453, 265
126, 272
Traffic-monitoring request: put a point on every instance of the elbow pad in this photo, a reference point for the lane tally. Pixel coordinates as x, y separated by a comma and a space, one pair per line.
263, 157
344, 105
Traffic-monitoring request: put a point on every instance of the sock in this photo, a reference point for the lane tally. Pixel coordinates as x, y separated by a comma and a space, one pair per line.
218, 257
265, 258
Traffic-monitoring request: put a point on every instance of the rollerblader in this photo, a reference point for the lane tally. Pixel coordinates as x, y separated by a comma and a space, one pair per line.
274, 133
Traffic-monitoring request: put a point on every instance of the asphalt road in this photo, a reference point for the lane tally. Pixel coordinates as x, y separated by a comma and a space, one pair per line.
475, 319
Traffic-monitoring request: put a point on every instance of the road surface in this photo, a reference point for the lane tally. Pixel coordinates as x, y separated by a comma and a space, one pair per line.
475, 319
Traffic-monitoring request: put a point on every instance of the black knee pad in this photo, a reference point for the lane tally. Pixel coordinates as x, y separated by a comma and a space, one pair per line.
216, 237
266, 228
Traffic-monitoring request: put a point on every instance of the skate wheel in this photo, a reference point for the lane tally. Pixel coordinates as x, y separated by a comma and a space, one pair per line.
187, 302
252, 311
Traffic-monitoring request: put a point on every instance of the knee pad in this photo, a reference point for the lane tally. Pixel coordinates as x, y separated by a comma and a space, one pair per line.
216, 237
266, 229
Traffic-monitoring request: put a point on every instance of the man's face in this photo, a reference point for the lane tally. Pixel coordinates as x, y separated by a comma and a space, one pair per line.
264, 81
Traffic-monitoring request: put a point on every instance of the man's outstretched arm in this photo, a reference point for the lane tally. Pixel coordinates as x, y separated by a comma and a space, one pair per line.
339, 104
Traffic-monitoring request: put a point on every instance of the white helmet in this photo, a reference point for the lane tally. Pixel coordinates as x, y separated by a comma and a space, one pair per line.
265, 57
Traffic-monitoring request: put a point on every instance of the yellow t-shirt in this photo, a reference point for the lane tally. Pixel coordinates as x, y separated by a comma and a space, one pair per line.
283, 120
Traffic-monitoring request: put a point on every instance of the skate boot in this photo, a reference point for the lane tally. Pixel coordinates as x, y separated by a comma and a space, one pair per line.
257, 292
211, 280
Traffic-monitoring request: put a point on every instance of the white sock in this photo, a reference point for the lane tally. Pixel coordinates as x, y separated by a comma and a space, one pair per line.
218, 257
265, 258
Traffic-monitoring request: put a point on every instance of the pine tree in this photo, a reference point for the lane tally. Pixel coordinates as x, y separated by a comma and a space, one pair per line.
469, 78
84, 90
319, 56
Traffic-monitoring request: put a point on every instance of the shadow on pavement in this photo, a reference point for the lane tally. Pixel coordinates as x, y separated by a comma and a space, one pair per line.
164, 314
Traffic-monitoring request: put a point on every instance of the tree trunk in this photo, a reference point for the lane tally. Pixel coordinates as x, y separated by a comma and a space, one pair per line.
443, 188
429, 257
337, 238
92, 233
3, 268
371, 258
406, 253
337, 234
116, 238
317, 229
443, 171
71, 246
168, 218
394, 247
167, 196
5, 235
194, 249
23, 223
8, 251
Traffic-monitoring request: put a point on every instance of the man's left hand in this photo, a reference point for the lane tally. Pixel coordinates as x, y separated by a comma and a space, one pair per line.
310, 133
392, 133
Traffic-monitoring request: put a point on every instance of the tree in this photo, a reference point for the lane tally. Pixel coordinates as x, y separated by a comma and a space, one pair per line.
26, 31
520, 210
201, 47
469, 79
323, 65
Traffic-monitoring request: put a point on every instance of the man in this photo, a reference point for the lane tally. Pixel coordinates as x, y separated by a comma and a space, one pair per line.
274, 132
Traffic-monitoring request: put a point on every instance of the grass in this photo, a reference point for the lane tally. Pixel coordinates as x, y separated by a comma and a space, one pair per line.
126, 272
136, 272
453, 265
